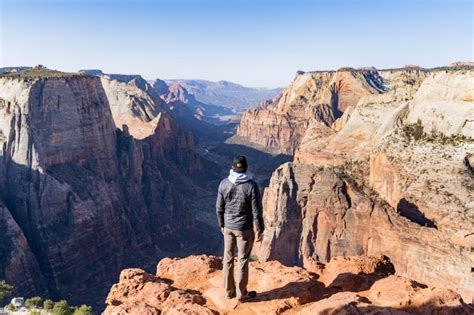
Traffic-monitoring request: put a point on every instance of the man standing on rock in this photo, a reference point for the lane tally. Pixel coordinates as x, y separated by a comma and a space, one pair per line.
239, 211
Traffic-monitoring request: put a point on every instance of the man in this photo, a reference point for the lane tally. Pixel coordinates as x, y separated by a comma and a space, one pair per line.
239, 210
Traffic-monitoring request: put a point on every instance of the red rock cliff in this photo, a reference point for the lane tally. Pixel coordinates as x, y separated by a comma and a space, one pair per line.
389, 179
319, 96
80, 195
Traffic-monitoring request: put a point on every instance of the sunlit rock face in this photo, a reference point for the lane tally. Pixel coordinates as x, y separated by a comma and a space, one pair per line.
320, 96
355, 285
391, 176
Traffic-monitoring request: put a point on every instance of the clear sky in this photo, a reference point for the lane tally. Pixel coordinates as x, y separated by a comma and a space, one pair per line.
256, 43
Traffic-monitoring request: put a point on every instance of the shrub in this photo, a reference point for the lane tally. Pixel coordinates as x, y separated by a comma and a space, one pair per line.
33, 302
414, 131
35, 312
11, 307
5, 290
62, 308
84, 310
48, 305
470, 187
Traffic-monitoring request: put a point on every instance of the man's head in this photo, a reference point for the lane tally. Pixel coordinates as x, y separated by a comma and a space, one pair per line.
240, 164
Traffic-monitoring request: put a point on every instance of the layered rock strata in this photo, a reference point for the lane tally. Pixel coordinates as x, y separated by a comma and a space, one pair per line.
80, 195
390, 178
320, 96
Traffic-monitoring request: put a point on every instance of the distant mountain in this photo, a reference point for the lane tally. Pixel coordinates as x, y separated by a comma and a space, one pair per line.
184, 103
225, 93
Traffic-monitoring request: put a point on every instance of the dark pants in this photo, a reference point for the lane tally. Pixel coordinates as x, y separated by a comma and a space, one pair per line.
243, 240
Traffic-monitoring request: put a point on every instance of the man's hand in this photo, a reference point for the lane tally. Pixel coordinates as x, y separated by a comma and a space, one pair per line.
259, 236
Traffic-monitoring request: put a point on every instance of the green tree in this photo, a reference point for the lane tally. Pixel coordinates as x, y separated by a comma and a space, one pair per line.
5, 290
84, 310
11, 307
61, 308
48, 305
34, 302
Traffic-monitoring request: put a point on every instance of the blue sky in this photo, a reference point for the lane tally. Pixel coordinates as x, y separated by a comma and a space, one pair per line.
256, 43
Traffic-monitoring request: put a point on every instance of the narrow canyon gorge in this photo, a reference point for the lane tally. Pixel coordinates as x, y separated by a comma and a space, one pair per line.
382, 167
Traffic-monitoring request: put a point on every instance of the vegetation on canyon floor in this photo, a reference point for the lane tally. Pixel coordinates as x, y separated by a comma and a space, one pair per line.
36, 304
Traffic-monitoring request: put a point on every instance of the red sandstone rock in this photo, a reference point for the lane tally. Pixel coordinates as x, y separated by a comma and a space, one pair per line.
389, 178
312, 96
194, 286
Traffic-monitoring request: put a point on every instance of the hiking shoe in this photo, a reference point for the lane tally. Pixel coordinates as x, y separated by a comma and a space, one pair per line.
249, 296
230, 296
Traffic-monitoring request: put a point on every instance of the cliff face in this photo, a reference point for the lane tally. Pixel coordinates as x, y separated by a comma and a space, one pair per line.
16, 257
350, 137
388, 178
134, 103
311, 97
353, 285
80, 195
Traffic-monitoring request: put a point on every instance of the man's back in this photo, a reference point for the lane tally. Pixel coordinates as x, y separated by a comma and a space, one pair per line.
239, 209
235, 203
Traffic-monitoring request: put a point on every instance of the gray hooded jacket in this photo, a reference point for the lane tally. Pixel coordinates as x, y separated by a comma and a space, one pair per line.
239, 206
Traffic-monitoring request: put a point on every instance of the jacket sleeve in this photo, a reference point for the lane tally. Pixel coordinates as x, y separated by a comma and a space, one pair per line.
257, 209
220, 207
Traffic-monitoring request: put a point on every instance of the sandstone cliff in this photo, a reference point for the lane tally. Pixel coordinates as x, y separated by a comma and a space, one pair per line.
354, 285
320, 96
134, 103
388, 178
82, 196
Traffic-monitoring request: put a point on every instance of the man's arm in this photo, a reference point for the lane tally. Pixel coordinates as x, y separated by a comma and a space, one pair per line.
220, 207
257, 209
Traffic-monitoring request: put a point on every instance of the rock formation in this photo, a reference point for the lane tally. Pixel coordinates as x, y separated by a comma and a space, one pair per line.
225, 94
388, 177
80, 196
134, 103
320, 96
354, 285
184, 106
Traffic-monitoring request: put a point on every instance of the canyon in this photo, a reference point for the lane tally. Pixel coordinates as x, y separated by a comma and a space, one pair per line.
104, 171
382, 168
94, 174
389, 176
368, 191
226, 94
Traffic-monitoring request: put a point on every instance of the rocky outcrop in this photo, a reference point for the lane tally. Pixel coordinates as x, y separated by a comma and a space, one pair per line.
350, 137
462, 64
389, 178
312, 97
80, 195
316, 214
160, 86
133, 103
358, 285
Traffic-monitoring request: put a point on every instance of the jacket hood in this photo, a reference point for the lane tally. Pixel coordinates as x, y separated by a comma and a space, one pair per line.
239, 178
